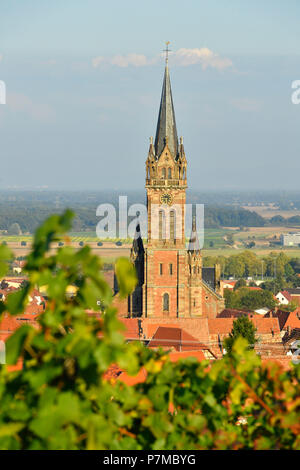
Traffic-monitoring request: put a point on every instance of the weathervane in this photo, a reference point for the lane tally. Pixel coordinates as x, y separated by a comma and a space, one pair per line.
167, 50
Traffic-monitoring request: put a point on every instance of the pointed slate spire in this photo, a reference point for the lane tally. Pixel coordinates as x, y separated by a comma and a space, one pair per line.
194, 245
166, 125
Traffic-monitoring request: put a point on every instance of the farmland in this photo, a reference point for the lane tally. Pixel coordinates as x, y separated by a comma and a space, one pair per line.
215, 242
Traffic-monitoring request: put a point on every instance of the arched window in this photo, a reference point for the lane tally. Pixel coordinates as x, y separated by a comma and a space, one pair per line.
183, 173
162, 228
172, 225
163, 173
166, 302
169, 173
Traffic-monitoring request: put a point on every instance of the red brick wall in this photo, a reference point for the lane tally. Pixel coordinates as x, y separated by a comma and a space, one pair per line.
211, 304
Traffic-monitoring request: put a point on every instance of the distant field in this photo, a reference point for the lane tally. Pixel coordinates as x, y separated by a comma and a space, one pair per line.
271, 210
259, 252
214, 242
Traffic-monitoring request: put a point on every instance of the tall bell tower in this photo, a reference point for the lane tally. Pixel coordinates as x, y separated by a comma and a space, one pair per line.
166, 183
170, 280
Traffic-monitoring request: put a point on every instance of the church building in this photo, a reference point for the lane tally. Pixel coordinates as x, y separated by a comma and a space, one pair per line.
171, 280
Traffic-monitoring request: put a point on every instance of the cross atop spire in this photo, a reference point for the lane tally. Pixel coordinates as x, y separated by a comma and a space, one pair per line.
166, 124
167, 50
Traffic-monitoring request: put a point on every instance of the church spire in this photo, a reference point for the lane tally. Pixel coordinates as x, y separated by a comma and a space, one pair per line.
194, 245
166, 125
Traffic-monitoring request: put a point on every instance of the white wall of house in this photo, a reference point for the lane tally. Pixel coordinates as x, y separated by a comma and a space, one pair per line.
282, 299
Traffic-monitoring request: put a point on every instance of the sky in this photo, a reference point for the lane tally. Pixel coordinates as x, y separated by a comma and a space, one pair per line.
83, 83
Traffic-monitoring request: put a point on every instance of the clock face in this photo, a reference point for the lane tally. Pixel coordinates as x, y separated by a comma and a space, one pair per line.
166, 198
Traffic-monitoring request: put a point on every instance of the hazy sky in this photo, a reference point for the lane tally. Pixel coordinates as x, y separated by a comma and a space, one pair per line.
84, 81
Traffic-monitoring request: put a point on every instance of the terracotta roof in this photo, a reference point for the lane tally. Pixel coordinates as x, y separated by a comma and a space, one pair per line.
290, 338
132, 327
286, 294
8, 324
234, 313
175, 356
286, 319
113, 372
131, 331
175, 337
224, 325
293, 320
142, 374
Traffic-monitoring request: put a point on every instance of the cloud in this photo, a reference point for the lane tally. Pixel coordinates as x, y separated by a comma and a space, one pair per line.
18, 102
182, 57
96, 61
203, 56
137, 60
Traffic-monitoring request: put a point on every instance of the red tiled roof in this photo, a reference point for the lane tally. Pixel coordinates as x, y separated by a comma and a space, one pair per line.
287, 319
175, 337
176, 356
286, 294
293, 320
142, 374
234, 313
224, 325
132, 328
8, 324
112, 372
280, 315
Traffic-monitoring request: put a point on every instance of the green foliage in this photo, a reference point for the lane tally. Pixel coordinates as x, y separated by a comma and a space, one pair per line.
240, 283
247, 263
244, 298
242, 328
14, 229
61, 399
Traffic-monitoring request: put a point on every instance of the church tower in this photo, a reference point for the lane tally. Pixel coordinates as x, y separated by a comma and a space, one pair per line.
170, 280
166, 183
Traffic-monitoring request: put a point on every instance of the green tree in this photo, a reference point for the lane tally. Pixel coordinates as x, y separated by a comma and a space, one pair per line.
245, 298
62, 399
240, 283
230, 239
14, 229
242, 327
